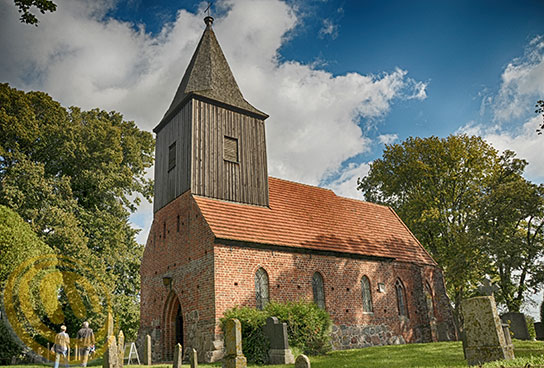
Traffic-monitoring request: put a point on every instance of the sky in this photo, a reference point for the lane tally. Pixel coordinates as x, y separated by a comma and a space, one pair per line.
339, 79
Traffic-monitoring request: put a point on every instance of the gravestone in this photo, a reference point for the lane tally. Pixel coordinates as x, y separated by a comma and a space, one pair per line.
178, 356
539, 330
111, 354
302, 362
518, 325
109, 324
120, 349
234, 358
276, 332
147, 350
193, 358
484, 335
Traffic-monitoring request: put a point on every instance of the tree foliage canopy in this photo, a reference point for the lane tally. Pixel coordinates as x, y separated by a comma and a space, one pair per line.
75, 176
469, 206
24, 7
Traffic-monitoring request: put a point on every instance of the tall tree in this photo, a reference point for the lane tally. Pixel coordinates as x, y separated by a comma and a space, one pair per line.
510, 224
76, 176
470, 207
435, 185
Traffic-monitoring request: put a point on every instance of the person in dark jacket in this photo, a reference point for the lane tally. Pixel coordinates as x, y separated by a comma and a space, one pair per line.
85, 341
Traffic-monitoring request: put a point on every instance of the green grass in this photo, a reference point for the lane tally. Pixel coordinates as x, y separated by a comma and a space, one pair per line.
436, 355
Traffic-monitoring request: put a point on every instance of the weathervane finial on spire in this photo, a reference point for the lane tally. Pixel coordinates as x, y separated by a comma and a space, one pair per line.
208, 19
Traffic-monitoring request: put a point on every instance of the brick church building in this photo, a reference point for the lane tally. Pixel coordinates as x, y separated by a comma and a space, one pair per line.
226, 234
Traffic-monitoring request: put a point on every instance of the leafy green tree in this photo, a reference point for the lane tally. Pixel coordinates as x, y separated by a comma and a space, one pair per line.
17, 243
24, 7
75, 176
511, 220
435, 185
470, 207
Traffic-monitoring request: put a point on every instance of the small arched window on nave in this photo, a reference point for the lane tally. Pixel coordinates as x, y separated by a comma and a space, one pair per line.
319, 292
261, 288
401, 299
366, 294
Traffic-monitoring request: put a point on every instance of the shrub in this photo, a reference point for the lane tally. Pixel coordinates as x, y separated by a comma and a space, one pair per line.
531, 326
255, 345
308, 327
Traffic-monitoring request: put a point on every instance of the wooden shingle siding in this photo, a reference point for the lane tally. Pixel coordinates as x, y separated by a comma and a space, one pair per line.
169, 184
199, 131
242, 180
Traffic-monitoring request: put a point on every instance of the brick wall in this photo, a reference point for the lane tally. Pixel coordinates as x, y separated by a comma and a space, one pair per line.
290, 278
183, 253
208, 279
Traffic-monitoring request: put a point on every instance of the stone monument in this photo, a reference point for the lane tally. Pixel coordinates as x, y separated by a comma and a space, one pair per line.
110, 324
484, 335
111, 355
193, 358
276, 332
147, 350
518, 325
234, 358
178, 356
120, 349
302, 362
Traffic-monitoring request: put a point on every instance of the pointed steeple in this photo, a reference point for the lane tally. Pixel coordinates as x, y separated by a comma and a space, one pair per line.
208, 75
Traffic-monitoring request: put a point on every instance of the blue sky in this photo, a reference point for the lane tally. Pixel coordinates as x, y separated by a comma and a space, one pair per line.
339, 79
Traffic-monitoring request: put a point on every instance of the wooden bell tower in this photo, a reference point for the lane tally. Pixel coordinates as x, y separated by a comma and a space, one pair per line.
211, 141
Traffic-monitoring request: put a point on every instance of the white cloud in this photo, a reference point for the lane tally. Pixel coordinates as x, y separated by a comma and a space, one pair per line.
521, 83
328, 28
387, 138
82, 59
346, 184
524, 141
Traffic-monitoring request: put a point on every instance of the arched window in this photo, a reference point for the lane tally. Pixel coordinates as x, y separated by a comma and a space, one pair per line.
367, 294
261, 288
317, 287
429, 300
401, 299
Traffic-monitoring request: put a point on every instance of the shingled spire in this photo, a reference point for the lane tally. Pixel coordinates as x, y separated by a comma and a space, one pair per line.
208, 75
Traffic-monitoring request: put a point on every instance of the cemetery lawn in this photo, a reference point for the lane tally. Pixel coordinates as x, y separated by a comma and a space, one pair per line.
436, 355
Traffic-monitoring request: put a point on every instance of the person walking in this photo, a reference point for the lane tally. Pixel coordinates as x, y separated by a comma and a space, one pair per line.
62, 342
85, 337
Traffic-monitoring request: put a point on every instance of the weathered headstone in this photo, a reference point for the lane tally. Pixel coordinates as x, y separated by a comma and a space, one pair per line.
518, 325
485, 340
111, 355
276, 332
178, 356
539, 330
121, 349
193, 358
109, 324
147, 350
302, 362
234, 358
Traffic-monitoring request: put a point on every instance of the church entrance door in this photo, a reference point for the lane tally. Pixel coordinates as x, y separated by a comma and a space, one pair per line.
173, 326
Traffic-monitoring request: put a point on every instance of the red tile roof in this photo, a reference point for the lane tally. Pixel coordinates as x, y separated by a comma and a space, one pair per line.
304, 216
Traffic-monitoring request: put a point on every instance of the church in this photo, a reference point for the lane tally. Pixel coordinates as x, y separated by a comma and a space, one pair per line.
225, 234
